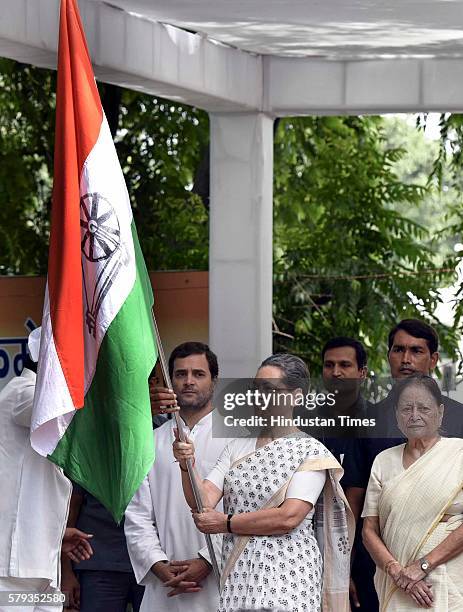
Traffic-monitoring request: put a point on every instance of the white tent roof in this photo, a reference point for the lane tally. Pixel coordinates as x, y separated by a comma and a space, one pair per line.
281, 57
333, 29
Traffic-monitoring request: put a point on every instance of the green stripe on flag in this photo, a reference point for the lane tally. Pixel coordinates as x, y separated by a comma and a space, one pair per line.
108, 448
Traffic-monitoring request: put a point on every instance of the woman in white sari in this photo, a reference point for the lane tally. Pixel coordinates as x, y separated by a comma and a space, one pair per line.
413, 511
273, 556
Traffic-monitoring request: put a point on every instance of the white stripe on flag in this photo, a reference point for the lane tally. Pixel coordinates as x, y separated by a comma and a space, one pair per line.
102, 175
52, 393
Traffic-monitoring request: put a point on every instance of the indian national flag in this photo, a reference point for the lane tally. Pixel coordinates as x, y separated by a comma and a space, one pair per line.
91, 411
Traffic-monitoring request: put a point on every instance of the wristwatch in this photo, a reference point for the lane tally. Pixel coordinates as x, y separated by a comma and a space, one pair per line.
425, 565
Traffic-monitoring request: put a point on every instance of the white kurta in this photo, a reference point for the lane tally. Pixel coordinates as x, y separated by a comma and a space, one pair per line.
158, 522
35, 494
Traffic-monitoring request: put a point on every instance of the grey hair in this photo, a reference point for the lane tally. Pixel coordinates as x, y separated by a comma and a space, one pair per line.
423, 380
295, 372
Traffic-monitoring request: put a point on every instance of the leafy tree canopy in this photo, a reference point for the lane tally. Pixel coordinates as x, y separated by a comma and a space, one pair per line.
347, 261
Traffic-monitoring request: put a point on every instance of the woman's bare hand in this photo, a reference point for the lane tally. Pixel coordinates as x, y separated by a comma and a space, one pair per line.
421, 593
410, 575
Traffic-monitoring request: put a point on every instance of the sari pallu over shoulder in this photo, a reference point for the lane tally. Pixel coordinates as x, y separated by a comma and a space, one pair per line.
412, 504
334, 522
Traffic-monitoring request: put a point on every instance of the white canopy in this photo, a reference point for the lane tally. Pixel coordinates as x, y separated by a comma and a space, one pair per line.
277, 56
332, 29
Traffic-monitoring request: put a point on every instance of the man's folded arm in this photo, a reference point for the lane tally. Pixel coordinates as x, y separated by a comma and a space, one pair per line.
141, 534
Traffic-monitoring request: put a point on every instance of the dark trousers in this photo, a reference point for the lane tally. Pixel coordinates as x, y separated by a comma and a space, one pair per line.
102, 591
363, 571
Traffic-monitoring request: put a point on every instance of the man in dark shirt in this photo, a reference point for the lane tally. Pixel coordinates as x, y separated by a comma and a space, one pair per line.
413, 349
344, 370
106, 582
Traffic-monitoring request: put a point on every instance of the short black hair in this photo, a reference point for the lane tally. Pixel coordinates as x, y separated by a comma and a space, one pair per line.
295, 371
417, 329
339, 341
194, 348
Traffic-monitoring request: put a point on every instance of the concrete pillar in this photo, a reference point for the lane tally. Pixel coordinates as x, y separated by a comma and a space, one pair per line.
240, 255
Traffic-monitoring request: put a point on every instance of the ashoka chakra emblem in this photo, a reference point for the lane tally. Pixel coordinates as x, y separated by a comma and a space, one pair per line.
99, 227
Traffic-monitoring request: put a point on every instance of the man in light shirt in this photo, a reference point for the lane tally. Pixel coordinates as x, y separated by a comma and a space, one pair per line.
34, 502
162, 539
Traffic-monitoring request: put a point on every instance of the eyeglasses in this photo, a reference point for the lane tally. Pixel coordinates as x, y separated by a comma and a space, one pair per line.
268, 388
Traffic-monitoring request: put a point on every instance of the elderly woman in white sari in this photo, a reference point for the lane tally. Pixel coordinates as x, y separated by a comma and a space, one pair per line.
413, 510
275, 554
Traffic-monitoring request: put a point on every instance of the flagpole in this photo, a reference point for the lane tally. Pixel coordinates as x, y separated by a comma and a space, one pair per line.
181, 434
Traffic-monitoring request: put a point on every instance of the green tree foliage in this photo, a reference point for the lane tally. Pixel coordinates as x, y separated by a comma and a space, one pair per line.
416, 166
448, 174
159, 144
27, 118
346, 261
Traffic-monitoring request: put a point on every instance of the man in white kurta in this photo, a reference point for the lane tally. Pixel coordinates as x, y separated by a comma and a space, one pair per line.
33, 501
158, 524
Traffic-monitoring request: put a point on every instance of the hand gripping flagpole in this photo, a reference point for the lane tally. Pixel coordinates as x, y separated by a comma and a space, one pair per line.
181, 435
